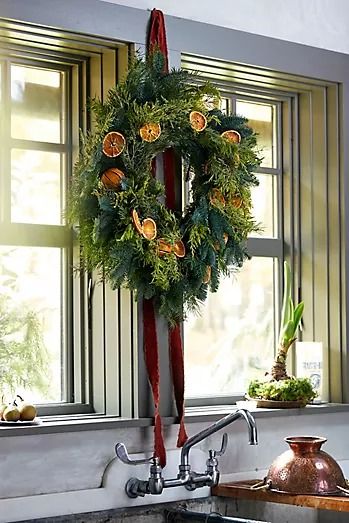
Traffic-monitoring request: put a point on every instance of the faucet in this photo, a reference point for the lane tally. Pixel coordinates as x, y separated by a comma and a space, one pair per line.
215, 427
186, 477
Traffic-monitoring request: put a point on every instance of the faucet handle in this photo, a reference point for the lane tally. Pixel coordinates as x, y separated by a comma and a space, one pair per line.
215, 453
122, 454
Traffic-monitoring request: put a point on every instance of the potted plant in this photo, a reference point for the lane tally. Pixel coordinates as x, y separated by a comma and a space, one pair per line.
280, 390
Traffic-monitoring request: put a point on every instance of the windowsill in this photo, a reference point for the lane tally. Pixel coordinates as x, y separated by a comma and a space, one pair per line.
52, 425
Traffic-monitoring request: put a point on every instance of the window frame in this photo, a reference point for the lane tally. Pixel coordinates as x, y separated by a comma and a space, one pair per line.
311, 124
257, 246
100, 362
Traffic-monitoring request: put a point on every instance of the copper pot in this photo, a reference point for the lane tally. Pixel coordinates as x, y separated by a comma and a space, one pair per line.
305, 469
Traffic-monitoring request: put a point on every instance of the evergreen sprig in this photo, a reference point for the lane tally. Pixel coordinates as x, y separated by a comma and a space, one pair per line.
214, 233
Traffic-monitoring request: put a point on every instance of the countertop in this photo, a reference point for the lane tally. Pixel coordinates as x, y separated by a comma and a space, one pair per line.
242, 490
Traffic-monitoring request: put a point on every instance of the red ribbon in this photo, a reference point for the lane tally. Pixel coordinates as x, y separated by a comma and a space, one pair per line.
157, 41
157, 35
151, 355
177, 367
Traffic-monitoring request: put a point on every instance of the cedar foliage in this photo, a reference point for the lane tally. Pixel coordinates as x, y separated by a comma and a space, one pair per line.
24, 361
109, 240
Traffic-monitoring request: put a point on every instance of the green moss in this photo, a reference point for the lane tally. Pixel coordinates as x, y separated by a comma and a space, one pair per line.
283, 390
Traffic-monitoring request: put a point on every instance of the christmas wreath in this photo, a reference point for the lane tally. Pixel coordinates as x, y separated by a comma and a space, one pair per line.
125, 229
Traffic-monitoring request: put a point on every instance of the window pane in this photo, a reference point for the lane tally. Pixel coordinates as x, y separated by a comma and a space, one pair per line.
262, 120
36, 109
225, 105
30, 323
264, 205
233, 341
36, 187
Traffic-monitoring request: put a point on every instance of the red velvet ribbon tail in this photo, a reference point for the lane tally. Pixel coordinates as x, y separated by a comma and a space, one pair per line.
157, 40
177, 365
151, 354
157, 35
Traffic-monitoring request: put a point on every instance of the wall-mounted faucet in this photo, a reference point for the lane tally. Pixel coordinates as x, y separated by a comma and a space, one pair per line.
186, 477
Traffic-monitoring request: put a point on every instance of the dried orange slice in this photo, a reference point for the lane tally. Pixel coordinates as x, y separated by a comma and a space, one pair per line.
179, 249
112, 178
237, 201
113, 144
149, 229
150, 132
136, 221
164, 247
207, 275
198, 121
232, 136
217, 198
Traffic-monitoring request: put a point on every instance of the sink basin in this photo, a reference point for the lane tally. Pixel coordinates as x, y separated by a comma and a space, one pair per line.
214, 517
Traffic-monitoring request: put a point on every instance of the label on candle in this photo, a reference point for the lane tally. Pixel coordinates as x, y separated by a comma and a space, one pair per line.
309, 357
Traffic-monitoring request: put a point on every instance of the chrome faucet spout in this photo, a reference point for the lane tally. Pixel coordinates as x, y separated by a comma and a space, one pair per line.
251, 424
215, 427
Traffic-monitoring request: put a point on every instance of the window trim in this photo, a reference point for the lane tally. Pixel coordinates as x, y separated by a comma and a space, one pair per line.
305, 148
90, 387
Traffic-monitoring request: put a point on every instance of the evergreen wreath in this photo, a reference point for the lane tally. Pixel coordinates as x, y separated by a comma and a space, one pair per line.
125, 230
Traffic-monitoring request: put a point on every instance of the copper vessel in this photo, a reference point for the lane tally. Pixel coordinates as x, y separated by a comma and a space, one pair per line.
306, 469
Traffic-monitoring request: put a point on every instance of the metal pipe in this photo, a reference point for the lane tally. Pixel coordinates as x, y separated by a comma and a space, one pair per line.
220, 424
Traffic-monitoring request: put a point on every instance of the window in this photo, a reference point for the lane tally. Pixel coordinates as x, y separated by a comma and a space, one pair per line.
60, 335
242, 311
36, 247
298, 203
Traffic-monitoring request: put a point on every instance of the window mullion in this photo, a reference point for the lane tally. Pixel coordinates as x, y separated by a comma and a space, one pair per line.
5, 153
27, 234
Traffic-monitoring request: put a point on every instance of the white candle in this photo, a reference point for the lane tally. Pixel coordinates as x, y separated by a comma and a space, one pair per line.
309, 364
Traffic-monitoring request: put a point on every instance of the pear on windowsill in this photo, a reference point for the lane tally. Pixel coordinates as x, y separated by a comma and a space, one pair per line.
11, 413
27, 411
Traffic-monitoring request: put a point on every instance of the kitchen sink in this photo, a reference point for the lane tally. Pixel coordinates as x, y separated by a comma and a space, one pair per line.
213, 517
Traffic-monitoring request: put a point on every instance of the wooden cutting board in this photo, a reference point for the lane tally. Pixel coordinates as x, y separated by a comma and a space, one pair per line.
242, 490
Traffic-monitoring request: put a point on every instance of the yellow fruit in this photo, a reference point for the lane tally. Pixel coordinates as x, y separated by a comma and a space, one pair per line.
232, 136
27, 412
149, 229
164, 247
150, 132
112, 178
113, 144
11, 413
179, 249
198, 121
137, 222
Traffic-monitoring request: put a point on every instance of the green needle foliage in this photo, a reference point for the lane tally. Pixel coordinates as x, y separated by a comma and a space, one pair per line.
24, 361
214, 233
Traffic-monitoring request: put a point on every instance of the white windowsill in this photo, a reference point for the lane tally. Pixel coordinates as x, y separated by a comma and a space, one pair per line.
52, 425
